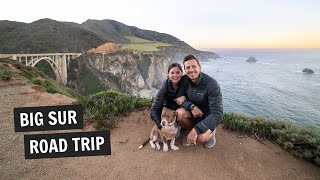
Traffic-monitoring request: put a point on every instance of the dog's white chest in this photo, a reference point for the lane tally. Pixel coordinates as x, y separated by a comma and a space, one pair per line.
172, 129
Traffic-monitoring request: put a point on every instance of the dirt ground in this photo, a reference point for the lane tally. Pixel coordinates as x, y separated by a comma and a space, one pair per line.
233, 157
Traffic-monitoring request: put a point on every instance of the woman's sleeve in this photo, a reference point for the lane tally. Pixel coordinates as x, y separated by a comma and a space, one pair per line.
157, 104
182, 88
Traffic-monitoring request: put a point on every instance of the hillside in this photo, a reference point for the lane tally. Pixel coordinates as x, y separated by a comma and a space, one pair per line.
235, 156
15, 73
49, 36
8, 26
119, 30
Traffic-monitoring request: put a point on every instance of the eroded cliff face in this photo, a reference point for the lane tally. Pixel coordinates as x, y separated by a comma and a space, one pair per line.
125, 71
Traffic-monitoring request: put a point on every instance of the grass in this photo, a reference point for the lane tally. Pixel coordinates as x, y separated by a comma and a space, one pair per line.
36, 77
301, 141
83, 78
136, 40
103, 107
53, 86
26, 71
143, 45
92, 83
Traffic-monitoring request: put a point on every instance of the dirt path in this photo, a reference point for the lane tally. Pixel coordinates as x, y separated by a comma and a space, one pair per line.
231, 158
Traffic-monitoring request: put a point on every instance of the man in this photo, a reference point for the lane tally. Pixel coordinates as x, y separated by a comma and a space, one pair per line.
204, 101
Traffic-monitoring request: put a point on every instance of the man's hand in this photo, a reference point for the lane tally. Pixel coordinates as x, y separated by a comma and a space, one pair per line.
205, 136
192, 137
196, 112
180, 100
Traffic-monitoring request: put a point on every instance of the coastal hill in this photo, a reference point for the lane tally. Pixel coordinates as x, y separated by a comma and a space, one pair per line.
50, 36
46, 36
118, 31
235, 156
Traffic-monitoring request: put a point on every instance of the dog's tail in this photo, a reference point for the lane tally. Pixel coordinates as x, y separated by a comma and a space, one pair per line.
143, 144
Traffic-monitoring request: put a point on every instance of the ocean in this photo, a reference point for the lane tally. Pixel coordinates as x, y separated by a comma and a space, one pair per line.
273, 87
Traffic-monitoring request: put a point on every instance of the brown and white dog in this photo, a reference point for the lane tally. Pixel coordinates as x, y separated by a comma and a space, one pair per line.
169, 131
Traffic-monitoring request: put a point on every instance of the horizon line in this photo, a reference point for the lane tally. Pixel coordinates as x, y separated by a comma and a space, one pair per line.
257, 48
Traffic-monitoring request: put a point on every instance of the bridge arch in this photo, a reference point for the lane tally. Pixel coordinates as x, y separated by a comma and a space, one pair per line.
53, 65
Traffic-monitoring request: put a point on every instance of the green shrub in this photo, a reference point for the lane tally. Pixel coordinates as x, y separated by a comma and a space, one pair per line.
27, 71
5, 72
19, 66
38, 81
53, 86
103, 107
50, 87
301, 141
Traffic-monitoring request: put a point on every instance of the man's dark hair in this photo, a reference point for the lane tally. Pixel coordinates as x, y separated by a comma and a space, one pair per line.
189, 57
174, 65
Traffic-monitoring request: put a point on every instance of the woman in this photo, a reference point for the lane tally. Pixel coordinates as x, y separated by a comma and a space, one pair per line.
166, 94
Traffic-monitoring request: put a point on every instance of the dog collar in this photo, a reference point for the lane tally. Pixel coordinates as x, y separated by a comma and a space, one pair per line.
173, 121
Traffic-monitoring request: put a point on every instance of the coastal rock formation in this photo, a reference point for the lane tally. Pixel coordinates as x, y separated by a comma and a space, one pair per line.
178, 53
251, 59
307, 70
125, 71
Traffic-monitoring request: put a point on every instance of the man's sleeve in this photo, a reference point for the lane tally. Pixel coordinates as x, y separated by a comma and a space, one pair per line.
216, 109
157, 104
186, 105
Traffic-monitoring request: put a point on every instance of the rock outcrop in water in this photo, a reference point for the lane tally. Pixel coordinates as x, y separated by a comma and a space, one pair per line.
307, 70
251, 59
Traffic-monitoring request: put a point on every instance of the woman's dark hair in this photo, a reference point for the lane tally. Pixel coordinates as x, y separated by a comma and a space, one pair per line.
174, 65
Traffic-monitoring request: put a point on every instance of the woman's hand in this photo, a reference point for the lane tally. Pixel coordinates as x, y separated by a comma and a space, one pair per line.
180, 100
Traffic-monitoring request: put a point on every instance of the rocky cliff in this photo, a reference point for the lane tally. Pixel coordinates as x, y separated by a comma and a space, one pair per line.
124, 70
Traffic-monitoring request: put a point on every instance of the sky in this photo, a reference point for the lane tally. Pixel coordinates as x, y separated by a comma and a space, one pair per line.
200, 23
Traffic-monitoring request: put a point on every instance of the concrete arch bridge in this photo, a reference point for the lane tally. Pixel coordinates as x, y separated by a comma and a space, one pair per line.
58, 62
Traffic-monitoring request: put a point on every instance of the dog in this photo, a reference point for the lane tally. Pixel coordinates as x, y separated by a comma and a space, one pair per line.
169, 131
